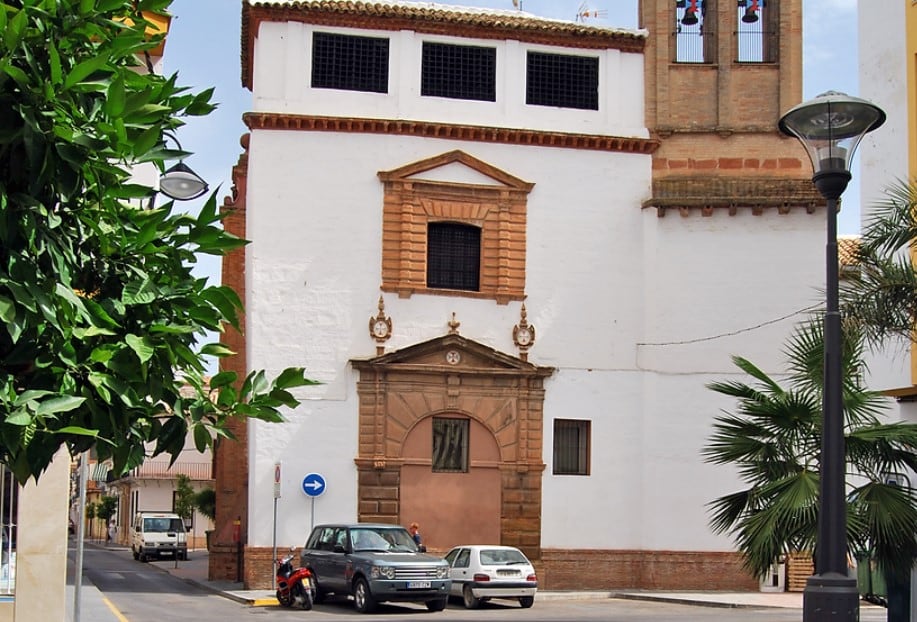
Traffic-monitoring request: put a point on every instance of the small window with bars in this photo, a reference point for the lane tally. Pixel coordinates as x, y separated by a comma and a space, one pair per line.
459, 72
571, 446
562, 80
756, 31
453, 256
450, 445
694, 32
349, 63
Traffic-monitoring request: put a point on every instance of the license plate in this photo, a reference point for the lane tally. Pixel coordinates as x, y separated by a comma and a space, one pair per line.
419, 585
307, 583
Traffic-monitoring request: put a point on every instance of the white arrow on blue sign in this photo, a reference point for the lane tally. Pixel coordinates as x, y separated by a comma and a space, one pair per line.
313, 484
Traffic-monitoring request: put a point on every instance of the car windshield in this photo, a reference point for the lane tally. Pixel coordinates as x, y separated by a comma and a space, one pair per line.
502, 557
161, 525
381, 539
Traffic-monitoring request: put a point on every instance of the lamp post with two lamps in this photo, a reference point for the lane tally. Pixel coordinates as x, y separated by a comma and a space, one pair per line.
830, 127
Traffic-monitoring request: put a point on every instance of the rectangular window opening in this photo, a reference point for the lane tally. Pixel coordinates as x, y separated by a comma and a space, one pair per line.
694, 32
756, 31
450, 445
562, 80
459, 72
571, 446
453, 256
349, 63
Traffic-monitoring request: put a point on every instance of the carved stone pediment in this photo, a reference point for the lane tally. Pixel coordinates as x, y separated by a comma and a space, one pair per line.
452, 353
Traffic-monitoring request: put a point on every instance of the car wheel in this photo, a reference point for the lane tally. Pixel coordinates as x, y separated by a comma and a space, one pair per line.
526, 601
318, 594
363, 599
468, 598
436, 605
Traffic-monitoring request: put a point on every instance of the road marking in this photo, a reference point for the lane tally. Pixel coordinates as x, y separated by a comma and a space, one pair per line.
114, 610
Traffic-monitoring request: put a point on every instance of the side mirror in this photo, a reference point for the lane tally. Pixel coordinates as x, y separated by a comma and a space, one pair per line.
422, 548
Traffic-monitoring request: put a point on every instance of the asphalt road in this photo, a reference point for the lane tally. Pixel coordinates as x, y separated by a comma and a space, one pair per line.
136, 592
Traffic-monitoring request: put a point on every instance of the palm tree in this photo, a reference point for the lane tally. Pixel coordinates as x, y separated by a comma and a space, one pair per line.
774, 439
882, 294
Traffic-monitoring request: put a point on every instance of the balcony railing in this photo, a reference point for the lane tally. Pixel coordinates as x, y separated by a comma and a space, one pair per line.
162, 470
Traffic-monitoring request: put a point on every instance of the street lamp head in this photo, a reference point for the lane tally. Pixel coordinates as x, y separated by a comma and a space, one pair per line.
830, 127
181, 183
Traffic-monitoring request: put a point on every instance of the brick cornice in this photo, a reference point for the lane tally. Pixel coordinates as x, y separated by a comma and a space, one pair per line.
710, 194
448, 131
438, 20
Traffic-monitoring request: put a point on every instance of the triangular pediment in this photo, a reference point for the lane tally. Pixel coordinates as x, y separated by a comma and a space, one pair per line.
456, 167
452, 351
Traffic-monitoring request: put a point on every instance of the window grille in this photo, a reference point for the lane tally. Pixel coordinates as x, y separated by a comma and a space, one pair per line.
571, 447
459, 72
562, 80
9, 510
756, 31
349, 63
694, 32
453, 256
450, 445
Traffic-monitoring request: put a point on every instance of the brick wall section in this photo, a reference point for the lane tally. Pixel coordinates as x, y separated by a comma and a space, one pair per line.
571, 569
799, 567
717, 121
230, 458
259, 567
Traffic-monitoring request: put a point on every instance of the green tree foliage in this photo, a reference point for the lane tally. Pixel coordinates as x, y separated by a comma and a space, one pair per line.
774, 439
184, 496
102, 318
881, 294
106, 508
206, 502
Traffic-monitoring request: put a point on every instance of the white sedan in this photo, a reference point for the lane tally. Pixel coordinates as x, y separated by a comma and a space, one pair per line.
480, 572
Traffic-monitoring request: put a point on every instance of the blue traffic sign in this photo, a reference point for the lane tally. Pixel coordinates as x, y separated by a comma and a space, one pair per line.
313, 484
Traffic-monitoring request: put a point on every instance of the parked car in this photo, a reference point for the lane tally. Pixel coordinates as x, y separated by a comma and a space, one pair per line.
374, 563
481, 572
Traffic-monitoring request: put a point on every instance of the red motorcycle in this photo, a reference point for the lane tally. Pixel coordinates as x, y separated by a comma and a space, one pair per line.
294, 587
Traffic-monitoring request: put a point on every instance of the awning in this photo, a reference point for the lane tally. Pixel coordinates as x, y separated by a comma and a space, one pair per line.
100, 472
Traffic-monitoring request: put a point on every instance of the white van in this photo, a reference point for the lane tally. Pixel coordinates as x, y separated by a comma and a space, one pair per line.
154, 534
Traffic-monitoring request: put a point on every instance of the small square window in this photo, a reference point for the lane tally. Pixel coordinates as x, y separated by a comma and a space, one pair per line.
453, 256
450, 445
562, 80
459, 72
571, 447
349, 63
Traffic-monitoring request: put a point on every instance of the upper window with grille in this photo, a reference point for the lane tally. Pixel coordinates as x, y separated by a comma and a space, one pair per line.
562, 80
459, 71
349, 63
453, 256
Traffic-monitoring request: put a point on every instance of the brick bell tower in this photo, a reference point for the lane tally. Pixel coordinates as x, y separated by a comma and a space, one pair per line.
719, 74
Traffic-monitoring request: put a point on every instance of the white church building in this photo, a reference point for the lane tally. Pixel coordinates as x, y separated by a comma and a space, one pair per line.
514, 251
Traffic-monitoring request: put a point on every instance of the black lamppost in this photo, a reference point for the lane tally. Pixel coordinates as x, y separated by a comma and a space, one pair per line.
830, 127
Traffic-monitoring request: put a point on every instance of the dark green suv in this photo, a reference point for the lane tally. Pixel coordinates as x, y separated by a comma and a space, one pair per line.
374, 563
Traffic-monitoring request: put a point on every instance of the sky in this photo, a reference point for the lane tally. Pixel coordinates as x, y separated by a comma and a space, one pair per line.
203, 47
